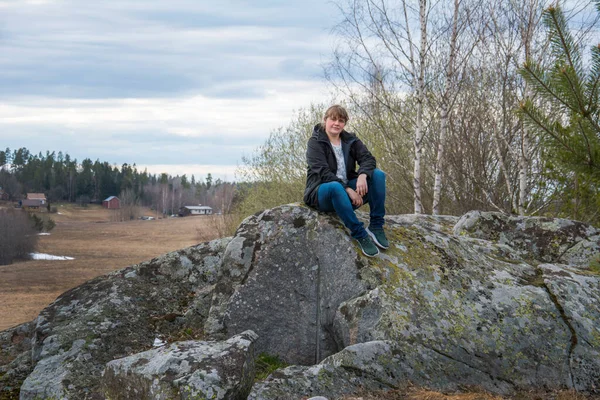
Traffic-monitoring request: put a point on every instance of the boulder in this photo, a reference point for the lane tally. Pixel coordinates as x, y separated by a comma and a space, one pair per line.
470, 311
15, 359
185, 370
284, 274
116, 315
465, 301
500, 302
364, 366
534, 238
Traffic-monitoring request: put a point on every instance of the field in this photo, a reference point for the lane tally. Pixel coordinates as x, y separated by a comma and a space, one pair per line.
99, 246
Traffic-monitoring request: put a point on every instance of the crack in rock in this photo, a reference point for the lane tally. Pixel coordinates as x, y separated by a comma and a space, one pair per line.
565, 318
441, 353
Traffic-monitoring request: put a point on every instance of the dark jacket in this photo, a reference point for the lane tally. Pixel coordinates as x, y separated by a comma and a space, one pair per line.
322, 165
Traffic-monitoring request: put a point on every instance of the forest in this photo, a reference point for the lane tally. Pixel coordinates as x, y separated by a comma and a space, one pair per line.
64, 179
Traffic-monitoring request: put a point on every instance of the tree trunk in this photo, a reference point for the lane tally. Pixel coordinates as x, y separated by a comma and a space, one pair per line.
437, 186
449, 86
502, 162
523, 171
418, 141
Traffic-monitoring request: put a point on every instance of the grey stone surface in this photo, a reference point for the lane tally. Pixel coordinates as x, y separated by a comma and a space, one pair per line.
364, 366
15, 358
583, 254
116, 315
185, 370
468, 310
578, 299
284, 281
534, 238
501, 302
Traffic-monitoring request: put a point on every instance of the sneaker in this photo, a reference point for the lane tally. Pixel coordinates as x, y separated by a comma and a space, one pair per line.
378, 236
367, 246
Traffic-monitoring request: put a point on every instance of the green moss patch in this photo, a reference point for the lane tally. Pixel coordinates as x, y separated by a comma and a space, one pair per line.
595, 265
266, 364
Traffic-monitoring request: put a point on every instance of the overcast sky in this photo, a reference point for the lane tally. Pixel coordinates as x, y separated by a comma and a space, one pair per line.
179, 86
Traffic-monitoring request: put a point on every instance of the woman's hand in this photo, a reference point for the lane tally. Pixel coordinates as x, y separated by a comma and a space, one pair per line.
361, 185
355, 198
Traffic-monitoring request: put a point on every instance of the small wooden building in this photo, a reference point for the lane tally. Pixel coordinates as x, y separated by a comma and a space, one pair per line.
32, 204
195, 210
37, 196
111, 202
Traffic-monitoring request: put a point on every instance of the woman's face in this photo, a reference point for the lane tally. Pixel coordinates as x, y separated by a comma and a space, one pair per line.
334, 125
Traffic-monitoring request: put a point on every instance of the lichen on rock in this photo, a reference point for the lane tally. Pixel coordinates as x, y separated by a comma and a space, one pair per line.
185, 370
500, 302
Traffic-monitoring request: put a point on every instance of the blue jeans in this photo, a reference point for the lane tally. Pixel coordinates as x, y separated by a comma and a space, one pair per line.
333, 197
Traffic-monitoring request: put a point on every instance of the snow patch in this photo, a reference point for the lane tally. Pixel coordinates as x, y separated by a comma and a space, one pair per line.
44, 234
42, 256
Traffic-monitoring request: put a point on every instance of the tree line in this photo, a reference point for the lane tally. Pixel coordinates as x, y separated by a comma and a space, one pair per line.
64, 179
466, 104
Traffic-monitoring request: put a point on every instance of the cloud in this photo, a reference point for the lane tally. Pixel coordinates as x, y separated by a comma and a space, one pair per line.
224, 172
198, 116
179, 83
149, 130
68, 48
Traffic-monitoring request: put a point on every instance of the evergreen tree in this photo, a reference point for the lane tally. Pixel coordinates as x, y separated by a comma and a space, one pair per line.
566, 115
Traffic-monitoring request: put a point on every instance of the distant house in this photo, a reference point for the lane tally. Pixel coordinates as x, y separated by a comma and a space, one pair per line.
33, 204
111, 202
195, 210
37, 196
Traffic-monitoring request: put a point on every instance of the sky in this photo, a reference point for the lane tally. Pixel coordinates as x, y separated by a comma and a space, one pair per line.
178, 86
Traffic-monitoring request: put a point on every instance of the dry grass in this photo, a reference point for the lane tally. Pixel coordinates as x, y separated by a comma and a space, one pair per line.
98, 246
413, 393
420, 394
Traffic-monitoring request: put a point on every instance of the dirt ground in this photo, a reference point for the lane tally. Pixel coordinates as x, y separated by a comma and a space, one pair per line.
99, 246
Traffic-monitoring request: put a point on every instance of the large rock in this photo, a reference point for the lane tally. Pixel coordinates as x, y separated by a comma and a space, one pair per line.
284, 275
501, 302
534, 238
117, 315
15, 359
185, 370
364, 366
467, 311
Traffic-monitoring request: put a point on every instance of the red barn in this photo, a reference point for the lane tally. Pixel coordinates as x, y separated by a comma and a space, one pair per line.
111, 202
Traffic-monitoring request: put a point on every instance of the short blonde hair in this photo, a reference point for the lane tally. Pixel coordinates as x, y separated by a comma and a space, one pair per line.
336, 112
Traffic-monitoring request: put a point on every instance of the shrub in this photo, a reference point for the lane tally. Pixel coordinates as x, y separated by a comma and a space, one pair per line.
17, 236
49, 224
42, 223
38, 222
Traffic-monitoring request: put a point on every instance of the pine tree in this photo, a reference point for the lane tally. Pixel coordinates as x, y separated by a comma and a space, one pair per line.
565, 113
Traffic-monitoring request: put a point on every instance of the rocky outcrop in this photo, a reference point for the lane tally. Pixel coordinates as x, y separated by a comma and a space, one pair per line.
467, 310
365, 366
15, 359
117, 315
283, 276
185, 370
553, 240
500, 302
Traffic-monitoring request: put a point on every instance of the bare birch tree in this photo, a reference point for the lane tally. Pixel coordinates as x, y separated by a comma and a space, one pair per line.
453, 63
381, 43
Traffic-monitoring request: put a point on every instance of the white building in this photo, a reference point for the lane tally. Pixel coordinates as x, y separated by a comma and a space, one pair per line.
196, 210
